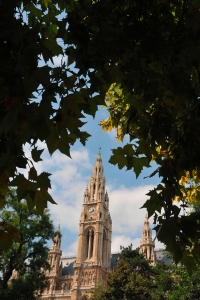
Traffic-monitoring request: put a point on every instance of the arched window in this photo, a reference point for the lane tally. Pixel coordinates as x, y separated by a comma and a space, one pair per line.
89, 243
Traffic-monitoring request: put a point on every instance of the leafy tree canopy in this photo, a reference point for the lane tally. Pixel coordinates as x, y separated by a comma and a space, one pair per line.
173, 282
28, 258
132, 278
147, 53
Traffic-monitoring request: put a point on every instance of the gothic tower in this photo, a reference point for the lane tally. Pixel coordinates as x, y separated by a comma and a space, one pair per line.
94, 240
147, 245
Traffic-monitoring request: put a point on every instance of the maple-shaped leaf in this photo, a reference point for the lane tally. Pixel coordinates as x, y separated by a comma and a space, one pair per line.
41, 202
139, 163
31, 203
43, 180
36, 154
32, 174
46, 195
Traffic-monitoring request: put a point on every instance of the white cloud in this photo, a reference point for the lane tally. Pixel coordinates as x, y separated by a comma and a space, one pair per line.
69, 183
125, 209
112, 134
60, 59
71, 250
125, 241
159, 245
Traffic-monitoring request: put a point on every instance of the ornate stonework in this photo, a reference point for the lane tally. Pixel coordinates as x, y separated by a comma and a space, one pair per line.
73, 278
147, 245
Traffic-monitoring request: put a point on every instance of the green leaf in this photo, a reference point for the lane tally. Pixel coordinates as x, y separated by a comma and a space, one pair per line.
41, 202
46, 2
5, 240
36, 154
47, 196
22, 190
139, 163
13, 232
31, 203
53, 28
43, 180
32, 174
2, 200
21, 162
52, 140
190, 263
53, 46
63, 146
19, 179
42, 129
118, 159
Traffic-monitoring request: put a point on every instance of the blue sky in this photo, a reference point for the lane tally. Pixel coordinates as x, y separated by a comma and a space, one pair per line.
71, 176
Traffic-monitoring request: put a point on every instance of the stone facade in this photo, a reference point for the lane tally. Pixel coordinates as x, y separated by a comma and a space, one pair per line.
147, 245
73, 278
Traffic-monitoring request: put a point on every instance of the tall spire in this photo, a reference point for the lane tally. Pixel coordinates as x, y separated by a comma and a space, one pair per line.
147, 245
95, 228
96, 190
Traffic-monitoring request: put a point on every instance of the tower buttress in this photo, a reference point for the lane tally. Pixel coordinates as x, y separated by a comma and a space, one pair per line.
55, 254
147, 245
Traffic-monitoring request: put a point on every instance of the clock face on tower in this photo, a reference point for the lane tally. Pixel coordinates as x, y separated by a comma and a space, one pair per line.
91, 210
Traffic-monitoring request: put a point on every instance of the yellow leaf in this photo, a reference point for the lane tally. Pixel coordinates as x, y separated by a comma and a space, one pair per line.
46, 2
183, 180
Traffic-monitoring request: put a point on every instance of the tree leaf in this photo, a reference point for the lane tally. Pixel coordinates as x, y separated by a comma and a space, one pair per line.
43, 180
139, 163
46, 195
41, 202
36, 154
31, 203
32, 174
